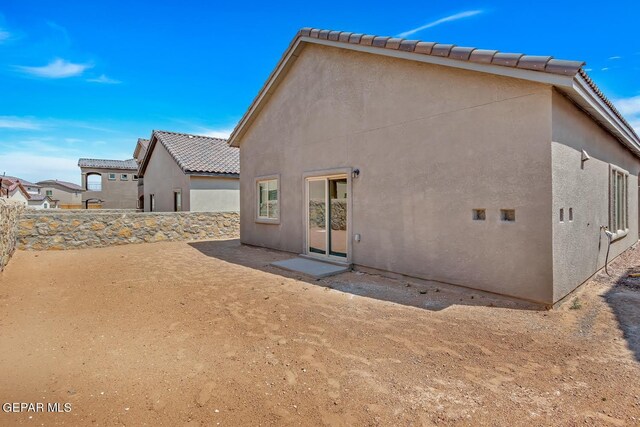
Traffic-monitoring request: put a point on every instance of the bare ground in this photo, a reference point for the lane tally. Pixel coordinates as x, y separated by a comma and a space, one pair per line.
207, 334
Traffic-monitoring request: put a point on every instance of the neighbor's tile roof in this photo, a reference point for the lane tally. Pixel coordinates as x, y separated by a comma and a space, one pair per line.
482, 56
200, 154
66, 184
23, 181
108, 164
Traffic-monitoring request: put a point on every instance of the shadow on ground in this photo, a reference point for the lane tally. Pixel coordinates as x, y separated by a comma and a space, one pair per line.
624, 299
412, 292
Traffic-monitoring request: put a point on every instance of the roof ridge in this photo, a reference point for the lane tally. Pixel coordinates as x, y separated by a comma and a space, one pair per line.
470, 54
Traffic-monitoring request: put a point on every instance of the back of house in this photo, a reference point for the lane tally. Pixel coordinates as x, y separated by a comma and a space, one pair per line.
473, 167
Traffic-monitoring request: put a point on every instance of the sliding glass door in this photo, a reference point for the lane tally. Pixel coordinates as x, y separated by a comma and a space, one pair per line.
327, 216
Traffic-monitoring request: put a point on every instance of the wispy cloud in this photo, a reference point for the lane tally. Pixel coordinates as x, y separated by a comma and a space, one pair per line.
57, 69
615, 57
217, 133
4, 35
104, 80
13, 122
454, 17
630, 108
35, 167
604, 69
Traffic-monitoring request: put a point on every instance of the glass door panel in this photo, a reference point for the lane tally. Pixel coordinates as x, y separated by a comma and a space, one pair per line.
338, 217
317, 190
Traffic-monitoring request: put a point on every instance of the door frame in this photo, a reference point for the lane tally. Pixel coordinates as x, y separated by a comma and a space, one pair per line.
327, 173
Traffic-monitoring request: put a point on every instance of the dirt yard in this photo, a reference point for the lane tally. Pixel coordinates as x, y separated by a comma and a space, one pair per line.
206, 334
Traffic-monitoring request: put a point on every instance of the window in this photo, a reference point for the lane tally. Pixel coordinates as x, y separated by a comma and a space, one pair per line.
124, 177
508, 215
152, 202
135, 177
618, 201
49, 192
177, 200
112, 177
570, 214
479, 214
561, 214
268, 199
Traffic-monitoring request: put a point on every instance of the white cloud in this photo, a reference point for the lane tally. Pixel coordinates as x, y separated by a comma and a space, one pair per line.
56, 69
34, 167
455, 17
217, 133
4, 35
13, 122
105, 80
615, 57
604, 69
629, 106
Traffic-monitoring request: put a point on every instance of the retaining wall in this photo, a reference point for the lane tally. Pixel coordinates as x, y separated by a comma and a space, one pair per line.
9, 217
51, 230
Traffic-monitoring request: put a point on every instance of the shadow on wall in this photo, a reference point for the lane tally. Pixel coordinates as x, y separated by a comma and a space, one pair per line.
624, 299
417, 293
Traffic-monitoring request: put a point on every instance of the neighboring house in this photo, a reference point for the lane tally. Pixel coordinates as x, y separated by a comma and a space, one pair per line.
14, 190
489, 170
138, 154
40, 201
109, 184
185, 172
29, 186
66, 195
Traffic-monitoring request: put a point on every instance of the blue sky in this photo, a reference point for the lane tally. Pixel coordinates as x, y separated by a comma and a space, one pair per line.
87, 78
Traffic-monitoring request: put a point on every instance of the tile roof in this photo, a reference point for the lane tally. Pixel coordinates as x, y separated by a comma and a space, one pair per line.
141, 149
38, 197
108, 164
199, 154
69, 185
23, 181
10, 186
515, 60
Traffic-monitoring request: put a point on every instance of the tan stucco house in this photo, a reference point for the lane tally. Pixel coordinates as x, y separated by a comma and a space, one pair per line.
109, 184
473, 167
64, 194
184, 172
138, 154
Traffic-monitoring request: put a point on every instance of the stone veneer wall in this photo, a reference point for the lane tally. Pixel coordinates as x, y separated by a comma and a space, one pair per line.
9, 216
51, 230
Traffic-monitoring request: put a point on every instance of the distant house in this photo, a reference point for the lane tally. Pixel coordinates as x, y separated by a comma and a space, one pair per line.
29, 186
496, 171
66, 195
40, 201
138, 154
109, 184
14, 190
185, 172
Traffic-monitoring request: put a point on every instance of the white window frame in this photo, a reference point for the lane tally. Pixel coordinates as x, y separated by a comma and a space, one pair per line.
267, 219
618, 216
111, 177
124, 177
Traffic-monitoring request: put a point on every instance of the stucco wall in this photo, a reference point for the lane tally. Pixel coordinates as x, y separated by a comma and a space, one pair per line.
213, 194
9, 215
579, 246
431, 143
49, 230
161, 178
116, 194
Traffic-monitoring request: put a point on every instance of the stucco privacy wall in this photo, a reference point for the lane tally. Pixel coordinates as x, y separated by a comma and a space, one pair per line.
214, 194
47, 230
579, 246
431, 143
9, 214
